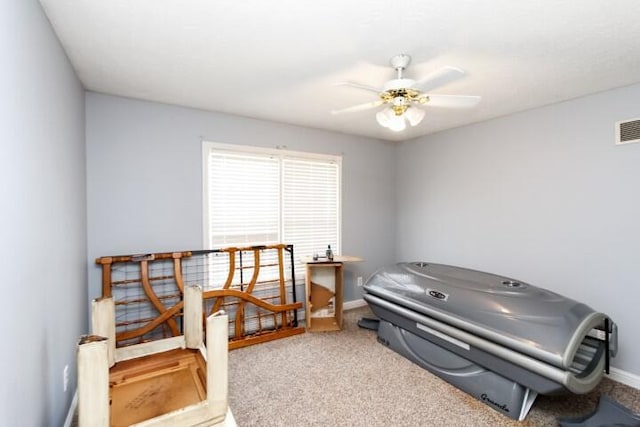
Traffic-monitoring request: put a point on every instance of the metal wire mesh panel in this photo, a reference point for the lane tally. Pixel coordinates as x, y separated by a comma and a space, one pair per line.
133, 307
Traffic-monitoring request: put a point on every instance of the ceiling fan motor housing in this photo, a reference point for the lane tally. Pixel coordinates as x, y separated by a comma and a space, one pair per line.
396, 84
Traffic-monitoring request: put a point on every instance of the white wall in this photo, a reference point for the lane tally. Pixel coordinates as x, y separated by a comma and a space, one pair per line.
145, 180
42, 220
543, 196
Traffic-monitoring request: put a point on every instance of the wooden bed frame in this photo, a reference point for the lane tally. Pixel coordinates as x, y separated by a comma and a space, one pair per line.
232, 296
176, 381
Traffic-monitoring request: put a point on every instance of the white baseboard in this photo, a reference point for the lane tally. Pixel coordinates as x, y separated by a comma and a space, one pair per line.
350, 305
72, 410
624, 377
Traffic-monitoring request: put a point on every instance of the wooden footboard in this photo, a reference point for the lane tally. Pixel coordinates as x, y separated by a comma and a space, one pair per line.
253, 285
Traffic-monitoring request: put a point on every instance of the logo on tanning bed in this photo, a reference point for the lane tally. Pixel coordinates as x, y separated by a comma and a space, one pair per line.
433, 293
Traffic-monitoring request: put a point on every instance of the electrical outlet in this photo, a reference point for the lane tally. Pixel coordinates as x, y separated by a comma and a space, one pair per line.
359, 280
65, 378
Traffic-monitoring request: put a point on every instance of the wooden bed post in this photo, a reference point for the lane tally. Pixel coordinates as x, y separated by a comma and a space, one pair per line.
217, 360
283, 294
103, 314
93, 382
106, 262
193, 317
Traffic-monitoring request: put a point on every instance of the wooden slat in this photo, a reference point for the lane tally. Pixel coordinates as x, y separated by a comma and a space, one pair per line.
167, 314
147, 348
264, 337
177, 270
198, 415
139, 257
252, 299
106, 276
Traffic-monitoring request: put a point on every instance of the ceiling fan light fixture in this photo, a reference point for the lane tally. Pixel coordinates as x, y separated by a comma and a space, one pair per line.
394, 118
397, 124
384, 117
389, 119
414, 115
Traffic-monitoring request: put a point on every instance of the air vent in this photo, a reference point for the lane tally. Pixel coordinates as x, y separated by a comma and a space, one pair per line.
628, 131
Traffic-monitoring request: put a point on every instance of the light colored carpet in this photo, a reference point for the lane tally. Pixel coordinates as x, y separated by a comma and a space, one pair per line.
347, 379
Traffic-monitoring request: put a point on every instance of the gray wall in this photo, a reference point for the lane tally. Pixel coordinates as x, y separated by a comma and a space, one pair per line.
144, 180
543, 196
42, 220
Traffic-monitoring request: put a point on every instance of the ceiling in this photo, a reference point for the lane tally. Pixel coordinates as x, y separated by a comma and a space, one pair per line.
280, 60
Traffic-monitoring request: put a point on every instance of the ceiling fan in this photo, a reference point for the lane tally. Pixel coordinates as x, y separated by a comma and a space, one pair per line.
403, 96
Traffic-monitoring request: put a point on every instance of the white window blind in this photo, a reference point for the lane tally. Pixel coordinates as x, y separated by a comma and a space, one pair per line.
243, 199
259, 196
310, 205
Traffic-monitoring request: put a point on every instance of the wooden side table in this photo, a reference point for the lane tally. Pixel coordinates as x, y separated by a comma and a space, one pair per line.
324, 297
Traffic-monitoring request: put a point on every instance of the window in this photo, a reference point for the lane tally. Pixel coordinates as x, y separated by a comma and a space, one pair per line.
255, 196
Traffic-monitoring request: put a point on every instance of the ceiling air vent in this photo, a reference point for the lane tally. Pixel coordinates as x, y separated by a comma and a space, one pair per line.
628, 131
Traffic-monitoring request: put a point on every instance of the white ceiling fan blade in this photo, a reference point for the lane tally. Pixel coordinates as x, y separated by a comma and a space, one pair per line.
359, 107
438, 78
452, 101
359, 86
